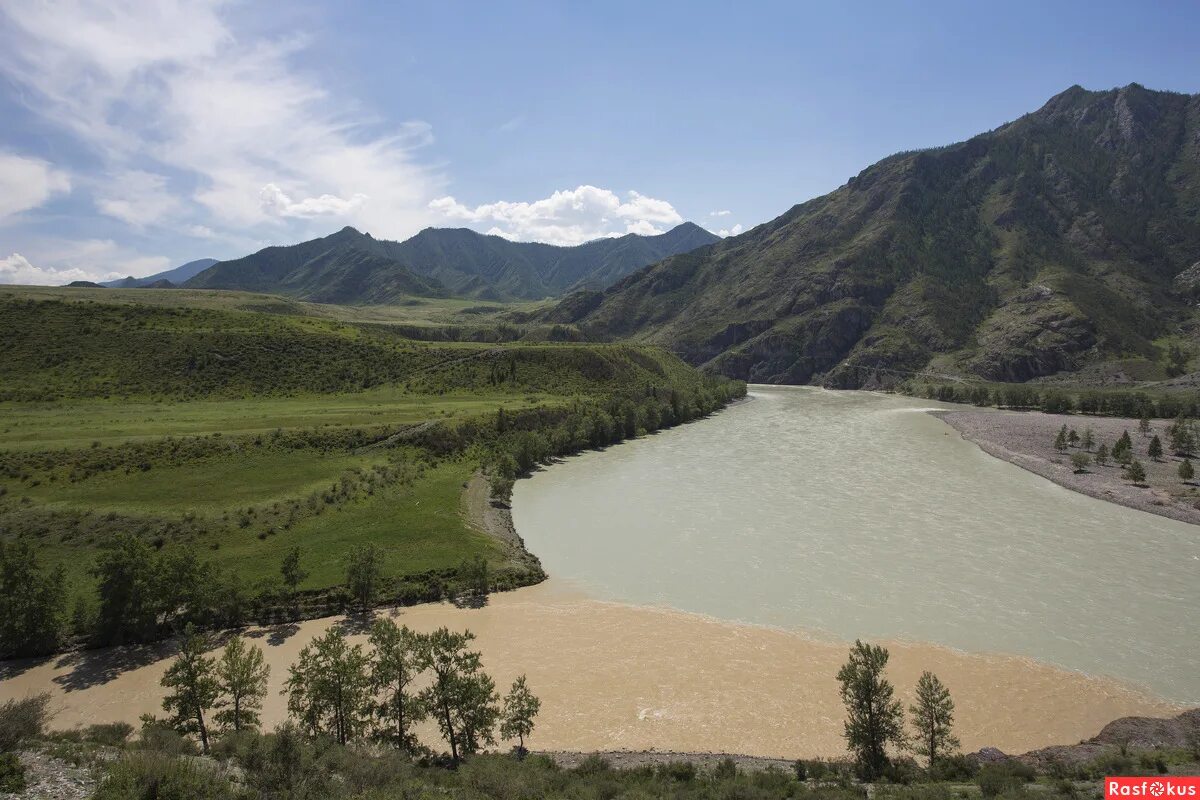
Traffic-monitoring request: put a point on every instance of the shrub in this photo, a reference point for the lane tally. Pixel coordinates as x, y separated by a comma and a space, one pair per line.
997, 779
157, 776
112, 734
954, 768
12, 773
725, 770
158, 736
23, 719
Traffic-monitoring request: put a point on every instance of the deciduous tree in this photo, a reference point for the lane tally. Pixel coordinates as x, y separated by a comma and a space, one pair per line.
933, 719
461, 696
329, 688
874, 718
193, 685
242, 677
400, 656
520, 707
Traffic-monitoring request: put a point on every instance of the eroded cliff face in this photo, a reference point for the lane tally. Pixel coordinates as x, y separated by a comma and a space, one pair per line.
1062, 239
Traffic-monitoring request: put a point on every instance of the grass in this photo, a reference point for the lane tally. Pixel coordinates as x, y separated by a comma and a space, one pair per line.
78, 423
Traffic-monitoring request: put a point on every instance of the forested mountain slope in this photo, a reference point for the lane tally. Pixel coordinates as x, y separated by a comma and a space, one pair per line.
1065, 239
354, 267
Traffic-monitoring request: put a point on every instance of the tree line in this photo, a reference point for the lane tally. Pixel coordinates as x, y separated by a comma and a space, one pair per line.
1102, 403
344, 692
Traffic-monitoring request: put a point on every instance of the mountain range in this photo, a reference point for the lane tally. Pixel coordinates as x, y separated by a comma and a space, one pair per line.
173, 277
354, 267
1067, 239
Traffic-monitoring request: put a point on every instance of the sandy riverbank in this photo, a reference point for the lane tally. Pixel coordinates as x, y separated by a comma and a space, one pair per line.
1026, 438
614, 677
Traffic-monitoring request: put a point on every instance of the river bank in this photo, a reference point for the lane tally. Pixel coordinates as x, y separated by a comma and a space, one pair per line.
619, 677
1025, 438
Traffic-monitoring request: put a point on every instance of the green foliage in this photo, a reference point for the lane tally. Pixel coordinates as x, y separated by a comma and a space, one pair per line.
1004, 777
363, 574
1080, 461
242, 680
156, 776
520, 707
1183, 436
328, 688
12, 773
1186, 470
1102, 454
1060, 440
874, 718
933, 719
1155, 449
193, 687
460, 697
32, 603
1135, 473
23, 719
399, 656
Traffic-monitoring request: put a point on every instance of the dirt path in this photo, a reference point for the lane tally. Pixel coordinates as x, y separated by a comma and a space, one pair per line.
1026, 438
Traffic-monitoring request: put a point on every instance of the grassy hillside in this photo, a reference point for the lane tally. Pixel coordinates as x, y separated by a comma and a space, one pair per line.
1068, 238
238, 434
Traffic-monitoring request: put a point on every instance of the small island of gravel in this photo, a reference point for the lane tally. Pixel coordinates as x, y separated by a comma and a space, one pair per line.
1026, 438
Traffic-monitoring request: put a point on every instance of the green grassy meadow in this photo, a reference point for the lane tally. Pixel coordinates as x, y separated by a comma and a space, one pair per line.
244, 425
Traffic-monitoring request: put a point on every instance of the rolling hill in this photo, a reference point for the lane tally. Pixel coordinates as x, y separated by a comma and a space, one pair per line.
353, 267
1069, 238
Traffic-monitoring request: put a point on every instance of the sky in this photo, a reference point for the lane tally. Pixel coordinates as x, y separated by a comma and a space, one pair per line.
136, 135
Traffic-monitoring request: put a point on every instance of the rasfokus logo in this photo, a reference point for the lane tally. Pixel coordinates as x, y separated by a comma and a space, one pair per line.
1164, 786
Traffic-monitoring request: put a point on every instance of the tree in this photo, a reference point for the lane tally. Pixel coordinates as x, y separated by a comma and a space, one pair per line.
1102, 454
1060, 441
127, 583
242, 679
1089, 439
1155, 450
400, 655
461, 696
1122, 451
1182, 436
329, 689
363, 573
1073, 438
520, 707
33, 603
933, 719
1080, 461
1135, 472
1144, 425
473, 576
874, 719
193, 683
1186, 471
292, 573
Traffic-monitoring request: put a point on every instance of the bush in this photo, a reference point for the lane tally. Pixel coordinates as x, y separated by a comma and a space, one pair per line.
678, 771
159, 737
12, 773
726, 769
157, 776
997, 779
954, 768
23, 719
112, 734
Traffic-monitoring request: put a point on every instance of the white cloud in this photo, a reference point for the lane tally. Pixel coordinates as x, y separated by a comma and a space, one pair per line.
27, 183
17, 269
136, 197
168, 86
567, 217
65, 260
275, 201
201, 232
719, 213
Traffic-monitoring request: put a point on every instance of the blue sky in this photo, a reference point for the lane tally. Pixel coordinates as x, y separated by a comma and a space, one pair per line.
138, 135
